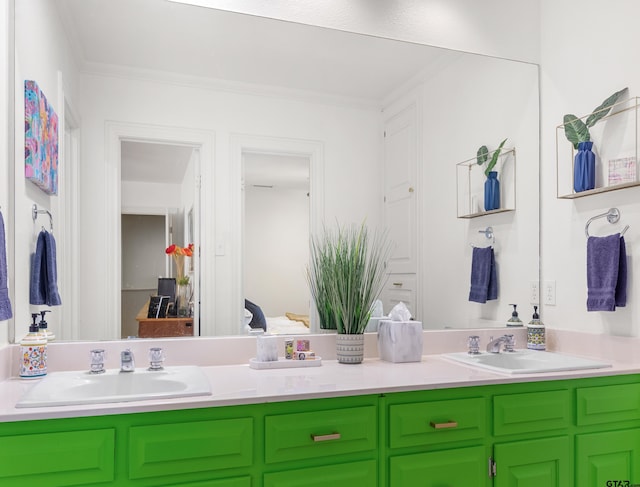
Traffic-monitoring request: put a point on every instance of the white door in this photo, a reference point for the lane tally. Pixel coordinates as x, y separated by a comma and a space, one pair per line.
400, 165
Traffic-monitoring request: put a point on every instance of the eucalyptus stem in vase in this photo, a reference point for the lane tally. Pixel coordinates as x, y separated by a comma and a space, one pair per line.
491, 185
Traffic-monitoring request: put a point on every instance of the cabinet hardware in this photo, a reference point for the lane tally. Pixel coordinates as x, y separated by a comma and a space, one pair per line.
492, 468
410, 190
332, 436
442, 426
397, 284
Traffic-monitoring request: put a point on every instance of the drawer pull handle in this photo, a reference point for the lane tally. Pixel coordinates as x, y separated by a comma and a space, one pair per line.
442, 426
397, 284
330, 437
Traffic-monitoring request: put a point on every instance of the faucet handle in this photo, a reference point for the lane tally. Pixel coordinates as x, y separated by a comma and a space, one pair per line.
97, 361
156, 358
474, 344
509, 343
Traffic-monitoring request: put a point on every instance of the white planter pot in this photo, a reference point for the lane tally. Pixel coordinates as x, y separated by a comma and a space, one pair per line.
350, 348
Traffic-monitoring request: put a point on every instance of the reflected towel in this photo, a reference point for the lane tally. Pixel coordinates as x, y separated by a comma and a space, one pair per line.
43, 286
606, 273
484, 282
37, 283
5, 303
53, 296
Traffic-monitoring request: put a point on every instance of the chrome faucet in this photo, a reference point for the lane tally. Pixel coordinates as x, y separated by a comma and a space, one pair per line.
127, 364
494, 344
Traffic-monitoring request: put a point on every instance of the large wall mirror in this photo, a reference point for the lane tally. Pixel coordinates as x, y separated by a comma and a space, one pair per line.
242, 121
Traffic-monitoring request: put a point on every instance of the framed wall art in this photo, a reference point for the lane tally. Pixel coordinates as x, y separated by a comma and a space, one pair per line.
40, 139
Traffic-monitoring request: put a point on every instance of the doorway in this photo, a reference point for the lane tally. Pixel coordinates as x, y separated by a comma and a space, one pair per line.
158, 195
143, 261
276, 232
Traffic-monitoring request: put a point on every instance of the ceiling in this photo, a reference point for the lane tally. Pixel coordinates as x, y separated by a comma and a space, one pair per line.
275, 171
162, 36
153, 163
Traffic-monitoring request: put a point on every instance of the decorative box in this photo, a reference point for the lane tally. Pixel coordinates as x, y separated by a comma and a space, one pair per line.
400, 341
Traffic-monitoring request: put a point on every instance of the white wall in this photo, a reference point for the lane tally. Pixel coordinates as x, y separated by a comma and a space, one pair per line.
44, 55
4, 151
578, 72
503, 28
276, 250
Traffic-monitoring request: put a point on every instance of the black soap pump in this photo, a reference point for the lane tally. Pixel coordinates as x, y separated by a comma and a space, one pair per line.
535, 332
514, 320
43, 325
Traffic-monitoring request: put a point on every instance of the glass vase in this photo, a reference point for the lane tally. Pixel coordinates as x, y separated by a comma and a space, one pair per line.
584, 168
183, 293
492, 192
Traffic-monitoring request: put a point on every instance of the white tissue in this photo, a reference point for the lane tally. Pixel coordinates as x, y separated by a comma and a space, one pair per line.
400, 312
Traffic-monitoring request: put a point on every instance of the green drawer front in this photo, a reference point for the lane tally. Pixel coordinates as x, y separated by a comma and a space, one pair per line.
463, 466
336, 431
411, 424
199, 446
536, 411
234, 482
56, 459
355, 474
608, 404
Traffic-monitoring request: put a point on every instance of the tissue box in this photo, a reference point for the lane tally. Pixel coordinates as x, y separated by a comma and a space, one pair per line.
400, 341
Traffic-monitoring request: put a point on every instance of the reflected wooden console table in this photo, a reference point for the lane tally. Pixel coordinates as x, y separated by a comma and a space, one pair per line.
162, 327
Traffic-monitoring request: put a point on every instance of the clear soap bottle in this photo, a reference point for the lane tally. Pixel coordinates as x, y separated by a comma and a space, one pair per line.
33, 352
536, 332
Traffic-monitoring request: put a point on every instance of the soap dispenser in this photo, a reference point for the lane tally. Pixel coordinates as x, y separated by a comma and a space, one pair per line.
43, 326
535, 332
514, 320
33, 352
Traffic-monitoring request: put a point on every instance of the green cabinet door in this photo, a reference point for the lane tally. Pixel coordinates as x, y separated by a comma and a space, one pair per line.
462, 466
56, 459
546, 462
610, 458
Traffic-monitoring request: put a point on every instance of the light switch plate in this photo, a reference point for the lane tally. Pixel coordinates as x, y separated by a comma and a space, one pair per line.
549, 291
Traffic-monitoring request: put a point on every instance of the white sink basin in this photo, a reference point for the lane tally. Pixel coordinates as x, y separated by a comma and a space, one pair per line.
525, 361
70, 388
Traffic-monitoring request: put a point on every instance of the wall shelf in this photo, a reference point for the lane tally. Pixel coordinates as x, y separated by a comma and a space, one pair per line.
470, 180
615, 138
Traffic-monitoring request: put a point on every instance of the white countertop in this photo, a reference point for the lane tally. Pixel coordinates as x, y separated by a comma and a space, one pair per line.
240, 384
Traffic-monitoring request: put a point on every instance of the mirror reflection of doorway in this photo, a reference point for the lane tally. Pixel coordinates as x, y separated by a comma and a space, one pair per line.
276, 235
158, 192
143, 261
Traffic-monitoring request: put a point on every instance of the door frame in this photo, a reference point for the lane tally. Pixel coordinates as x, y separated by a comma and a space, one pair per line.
243, 144
201, 140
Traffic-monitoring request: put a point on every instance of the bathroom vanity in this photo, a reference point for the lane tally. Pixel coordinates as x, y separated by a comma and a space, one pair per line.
375, 424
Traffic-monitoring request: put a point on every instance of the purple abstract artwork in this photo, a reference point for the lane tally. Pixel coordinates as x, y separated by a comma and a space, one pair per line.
40, 139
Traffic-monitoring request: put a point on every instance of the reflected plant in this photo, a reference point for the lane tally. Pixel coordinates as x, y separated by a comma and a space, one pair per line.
482, 156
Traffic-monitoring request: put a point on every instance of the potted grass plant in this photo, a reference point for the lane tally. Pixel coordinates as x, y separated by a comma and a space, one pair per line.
346, 275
